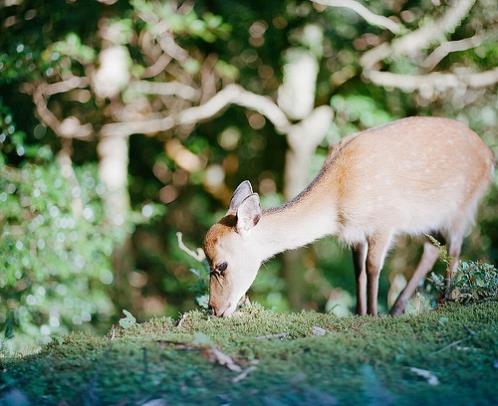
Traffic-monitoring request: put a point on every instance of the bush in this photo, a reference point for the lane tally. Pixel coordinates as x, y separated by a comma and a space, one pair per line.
55, 261
473, 282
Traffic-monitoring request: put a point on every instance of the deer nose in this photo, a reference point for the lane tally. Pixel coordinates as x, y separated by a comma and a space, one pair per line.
214, 311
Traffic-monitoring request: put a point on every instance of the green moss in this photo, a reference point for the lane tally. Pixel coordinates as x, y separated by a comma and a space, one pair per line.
359, 360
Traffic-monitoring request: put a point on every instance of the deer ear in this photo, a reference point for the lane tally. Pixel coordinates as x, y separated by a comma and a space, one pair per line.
242, 192
248, 213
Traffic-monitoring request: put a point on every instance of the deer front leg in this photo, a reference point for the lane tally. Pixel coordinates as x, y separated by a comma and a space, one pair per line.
359, 262
377, 250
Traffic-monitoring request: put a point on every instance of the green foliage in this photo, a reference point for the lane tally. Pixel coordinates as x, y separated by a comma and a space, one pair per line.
209, 27
55, 262
72, 47
201, 287
473, 282
361, 111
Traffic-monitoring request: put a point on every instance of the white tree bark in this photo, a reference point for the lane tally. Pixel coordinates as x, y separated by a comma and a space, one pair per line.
113, 173
296, 95
303, 139
296, 98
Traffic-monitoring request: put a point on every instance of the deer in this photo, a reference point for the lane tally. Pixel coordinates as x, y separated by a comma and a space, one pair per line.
417, 176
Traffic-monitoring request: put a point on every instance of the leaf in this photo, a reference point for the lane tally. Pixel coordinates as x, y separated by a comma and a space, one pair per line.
127, 321
216, 356
202, 301
427, 375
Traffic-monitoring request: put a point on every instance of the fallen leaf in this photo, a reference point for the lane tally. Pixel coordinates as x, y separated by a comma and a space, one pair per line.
215, 355
427, 375
270, 336
127, 321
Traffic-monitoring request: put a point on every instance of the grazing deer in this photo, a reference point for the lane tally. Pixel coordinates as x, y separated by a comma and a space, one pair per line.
413, 176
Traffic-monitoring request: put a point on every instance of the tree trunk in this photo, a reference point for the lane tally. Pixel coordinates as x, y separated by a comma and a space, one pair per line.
296, 98
113, 173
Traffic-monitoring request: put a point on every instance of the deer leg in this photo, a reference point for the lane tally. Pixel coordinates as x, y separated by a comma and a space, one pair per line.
377, 250
454, 249
359, 262
429, 258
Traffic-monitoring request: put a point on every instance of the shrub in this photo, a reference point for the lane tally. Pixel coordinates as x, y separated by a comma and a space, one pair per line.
55, 262
473, 282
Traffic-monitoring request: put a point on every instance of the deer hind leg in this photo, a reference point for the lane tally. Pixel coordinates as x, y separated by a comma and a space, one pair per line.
454, 248
378, 246
359, 262
429, 258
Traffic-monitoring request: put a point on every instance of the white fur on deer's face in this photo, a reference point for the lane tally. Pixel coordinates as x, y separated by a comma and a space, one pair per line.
232, 253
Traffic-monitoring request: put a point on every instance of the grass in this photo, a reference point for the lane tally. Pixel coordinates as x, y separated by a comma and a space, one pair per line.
359, 360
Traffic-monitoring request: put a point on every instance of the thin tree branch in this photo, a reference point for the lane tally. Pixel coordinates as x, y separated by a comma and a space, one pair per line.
69, 127
231, 94
74, 82
436, 82
157, 67
433, 31
448, 47
365, 13
414, 41
172, 88
170, 47
198, 254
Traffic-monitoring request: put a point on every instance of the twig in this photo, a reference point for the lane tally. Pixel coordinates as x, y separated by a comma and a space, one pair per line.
182, 319
450, 345
471, 334
243, 374
365, 13
198, 254
271, 336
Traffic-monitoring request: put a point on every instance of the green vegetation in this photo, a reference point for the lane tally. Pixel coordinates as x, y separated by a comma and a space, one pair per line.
110, 145
291, 358
56, 269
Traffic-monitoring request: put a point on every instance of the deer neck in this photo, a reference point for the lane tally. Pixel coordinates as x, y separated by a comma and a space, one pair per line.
306, 218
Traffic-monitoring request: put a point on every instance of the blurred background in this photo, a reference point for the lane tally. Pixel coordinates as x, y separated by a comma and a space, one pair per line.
125, 122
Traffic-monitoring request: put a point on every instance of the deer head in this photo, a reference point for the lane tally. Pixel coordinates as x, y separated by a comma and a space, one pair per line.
232, 253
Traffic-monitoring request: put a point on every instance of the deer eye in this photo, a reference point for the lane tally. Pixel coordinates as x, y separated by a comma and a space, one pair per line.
222, 267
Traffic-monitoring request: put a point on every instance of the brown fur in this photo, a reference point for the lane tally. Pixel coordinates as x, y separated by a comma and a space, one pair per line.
218, 230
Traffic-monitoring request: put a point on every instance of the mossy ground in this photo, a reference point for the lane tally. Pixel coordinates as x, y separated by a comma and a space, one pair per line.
359, 360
